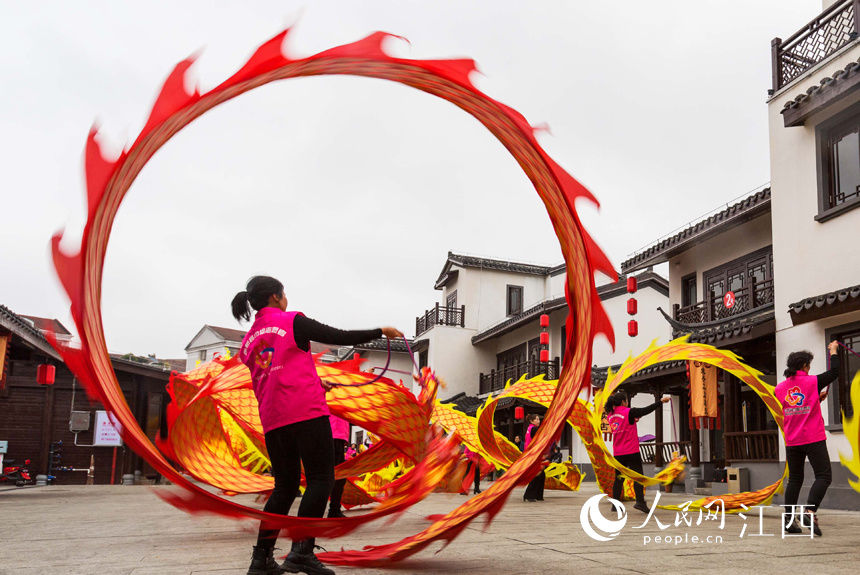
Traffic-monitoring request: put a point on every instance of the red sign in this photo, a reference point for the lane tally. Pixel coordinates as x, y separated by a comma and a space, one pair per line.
729, 300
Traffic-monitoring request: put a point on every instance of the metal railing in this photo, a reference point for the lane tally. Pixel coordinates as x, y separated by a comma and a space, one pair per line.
747, 298
648, 450
824, 35
752, 445
496, 379
440, 315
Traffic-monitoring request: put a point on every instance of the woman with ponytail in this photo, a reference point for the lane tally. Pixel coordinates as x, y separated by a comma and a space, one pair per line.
293, 412
800, 395
625, 442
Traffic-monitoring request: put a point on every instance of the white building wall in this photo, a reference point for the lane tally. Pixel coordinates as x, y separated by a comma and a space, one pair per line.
457, 362
399, 369
810, 257
206, 346
727, 246
652, 326
484, 293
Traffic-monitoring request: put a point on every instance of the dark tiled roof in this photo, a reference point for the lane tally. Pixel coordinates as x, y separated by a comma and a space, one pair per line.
738, 213
827, 91
607, 291
176, 364
147, 362
748, 325
825, 305
227, 333
520, 319
643, 280
381, 344
598, 374
488, 264
468, 404
44, 324
25, 330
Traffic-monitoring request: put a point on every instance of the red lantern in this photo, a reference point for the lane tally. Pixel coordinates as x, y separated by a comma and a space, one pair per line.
544, 355
631, 284
544, 320
544, 338
632, 328
45, 374
519, 412
632, 306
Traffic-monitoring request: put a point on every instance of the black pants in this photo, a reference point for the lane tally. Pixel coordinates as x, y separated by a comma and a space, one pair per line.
477, 477
337, 490
634, 462
535, 487
305, 443
795, 456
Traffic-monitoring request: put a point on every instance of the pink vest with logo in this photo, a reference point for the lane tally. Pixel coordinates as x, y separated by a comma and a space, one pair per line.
339, 428
285, 378
625, 437
801, 409
529, 432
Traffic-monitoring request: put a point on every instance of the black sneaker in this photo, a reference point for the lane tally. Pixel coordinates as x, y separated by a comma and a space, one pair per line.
302, 560
529, 500
642, 506
263, 562
815, 529
335, 514
793, 528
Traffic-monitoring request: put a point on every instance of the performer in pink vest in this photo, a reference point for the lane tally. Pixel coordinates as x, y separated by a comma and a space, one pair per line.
351, 452
293, 412
340, 436
625, 442
535, 488
800, 396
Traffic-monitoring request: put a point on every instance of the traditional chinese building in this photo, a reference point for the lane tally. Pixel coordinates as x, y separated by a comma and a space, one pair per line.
34, 415
721, 292
814, 118
487, 331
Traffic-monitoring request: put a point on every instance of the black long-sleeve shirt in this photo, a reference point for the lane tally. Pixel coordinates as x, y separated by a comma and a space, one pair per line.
637, 412
306, 330
831, 374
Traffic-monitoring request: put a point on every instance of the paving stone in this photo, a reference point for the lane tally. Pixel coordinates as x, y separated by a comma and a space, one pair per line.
123, 530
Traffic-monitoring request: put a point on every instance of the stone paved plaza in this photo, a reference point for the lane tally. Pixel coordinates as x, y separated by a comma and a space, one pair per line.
130, 531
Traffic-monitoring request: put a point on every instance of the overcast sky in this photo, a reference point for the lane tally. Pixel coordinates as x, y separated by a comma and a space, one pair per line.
353, 190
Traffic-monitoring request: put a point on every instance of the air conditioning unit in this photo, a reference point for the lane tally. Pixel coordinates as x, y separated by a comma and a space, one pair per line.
79, 421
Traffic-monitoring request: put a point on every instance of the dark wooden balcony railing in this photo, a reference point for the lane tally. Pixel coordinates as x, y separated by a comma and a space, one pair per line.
752, 445
496, 379
667, 448
440, 315
827, 33
746, 299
